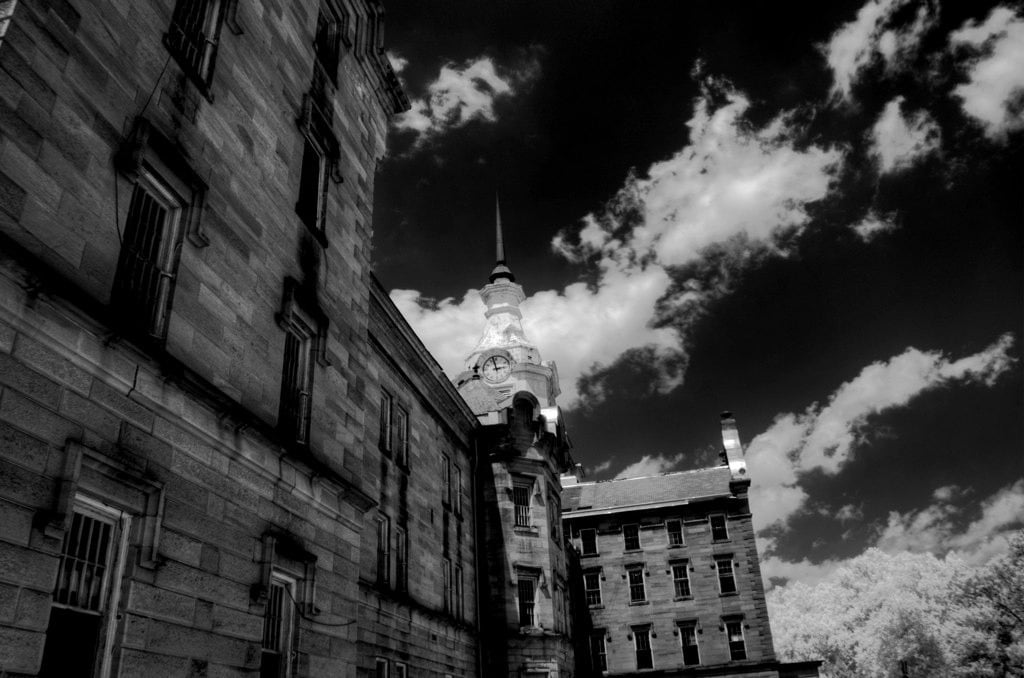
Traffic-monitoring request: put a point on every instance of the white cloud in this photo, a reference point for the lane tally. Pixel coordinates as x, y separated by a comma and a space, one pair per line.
462, 93
994, 93
873, 225
934, 527
398, 62
875, 35
825, 437
717, 204
899, 140
602, 467
650, 465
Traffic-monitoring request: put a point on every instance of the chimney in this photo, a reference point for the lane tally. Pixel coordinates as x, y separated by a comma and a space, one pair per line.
733, 449
573, 477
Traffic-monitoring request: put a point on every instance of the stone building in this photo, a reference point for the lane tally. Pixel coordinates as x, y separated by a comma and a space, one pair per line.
670, 572
220, 447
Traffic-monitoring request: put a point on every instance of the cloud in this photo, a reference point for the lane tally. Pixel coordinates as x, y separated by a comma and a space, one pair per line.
670, 243
874, 224
824, 438
398, 62
879, 33
602, 467
934, 528
465, 92
898, 141
650, 465
994, 92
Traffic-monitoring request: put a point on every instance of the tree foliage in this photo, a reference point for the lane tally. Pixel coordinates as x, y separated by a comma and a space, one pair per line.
881, 613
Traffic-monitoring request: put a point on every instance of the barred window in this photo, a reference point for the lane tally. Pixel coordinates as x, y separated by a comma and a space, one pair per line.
400, 422
598, 652
384, 435
642, 644
85, 591
193, 35
278, 622
675, 532
719, 531
688, 641
726, 575
383, 550
631, 537
526, 587
521, 491
592, 587
457, 489
737, 645
297, 382
459, 593
148, 262
446, 479
681, 580
588, 542
447, 593
637, 592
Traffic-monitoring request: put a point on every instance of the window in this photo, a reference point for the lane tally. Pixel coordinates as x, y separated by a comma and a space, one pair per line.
401, 560
737, 646
297, 381
384, 434
459, 607
522, 488
637, 594
726, 575
312, 202
380, 668
527, 590
681, 580
278, 627
458, 489
588, 542
150, 250
553, 518
192, 38
86, 590
401, 671
688, 641
642, 645
675, 532
325, 42
383, 550
446, 568
401, 435
446, 479
592, 587
6, 14
719, 532
631, 537
598, 652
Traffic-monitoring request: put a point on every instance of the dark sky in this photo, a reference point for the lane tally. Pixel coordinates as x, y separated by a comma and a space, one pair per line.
597, 89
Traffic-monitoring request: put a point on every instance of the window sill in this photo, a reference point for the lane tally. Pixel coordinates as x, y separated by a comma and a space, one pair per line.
639, 602
596, 606
729, 594
679, 598
634, 551
721, 541
526, 531
676, 546
589, 555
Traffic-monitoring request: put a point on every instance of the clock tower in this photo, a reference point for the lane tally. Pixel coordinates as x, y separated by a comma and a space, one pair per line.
525, 607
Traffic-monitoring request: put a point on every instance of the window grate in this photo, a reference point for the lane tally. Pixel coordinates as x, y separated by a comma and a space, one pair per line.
143, 286
521, 499
84, 564
526, 602
193, 35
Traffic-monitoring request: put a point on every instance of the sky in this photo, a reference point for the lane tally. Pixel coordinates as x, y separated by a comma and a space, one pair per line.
809, 215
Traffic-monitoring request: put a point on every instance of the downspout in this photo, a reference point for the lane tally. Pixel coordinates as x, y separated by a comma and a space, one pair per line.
479, 569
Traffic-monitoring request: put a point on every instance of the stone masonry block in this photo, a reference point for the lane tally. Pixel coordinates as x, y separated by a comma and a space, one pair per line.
22, 448
48, 362
91, 416
33, 610
7, 332
20, 650
135, 663
173, 639
145, 445
236, 623
181, 439
190, 581
15, 523
25, 487
127, 408
8, 602
32, 418
27, 567
15, 374
160, 603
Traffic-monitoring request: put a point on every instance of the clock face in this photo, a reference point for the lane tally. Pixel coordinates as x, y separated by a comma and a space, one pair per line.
496, 368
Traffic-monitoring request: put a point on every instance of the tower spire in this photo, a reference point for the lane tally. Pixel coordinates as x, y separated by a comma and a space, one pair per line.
501, 270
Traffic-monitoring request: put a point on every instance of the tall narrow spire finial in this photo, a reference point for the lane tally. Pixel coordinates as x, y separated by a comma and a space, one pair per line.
501, 270
497, 227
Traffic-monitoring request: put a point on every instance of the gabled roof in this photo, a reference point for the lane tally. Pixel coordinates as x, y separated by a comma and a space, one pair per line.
610, 496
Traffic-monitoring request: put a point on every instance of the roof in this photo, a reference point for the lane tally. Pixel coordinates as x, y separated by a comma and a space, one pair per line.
666, 489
